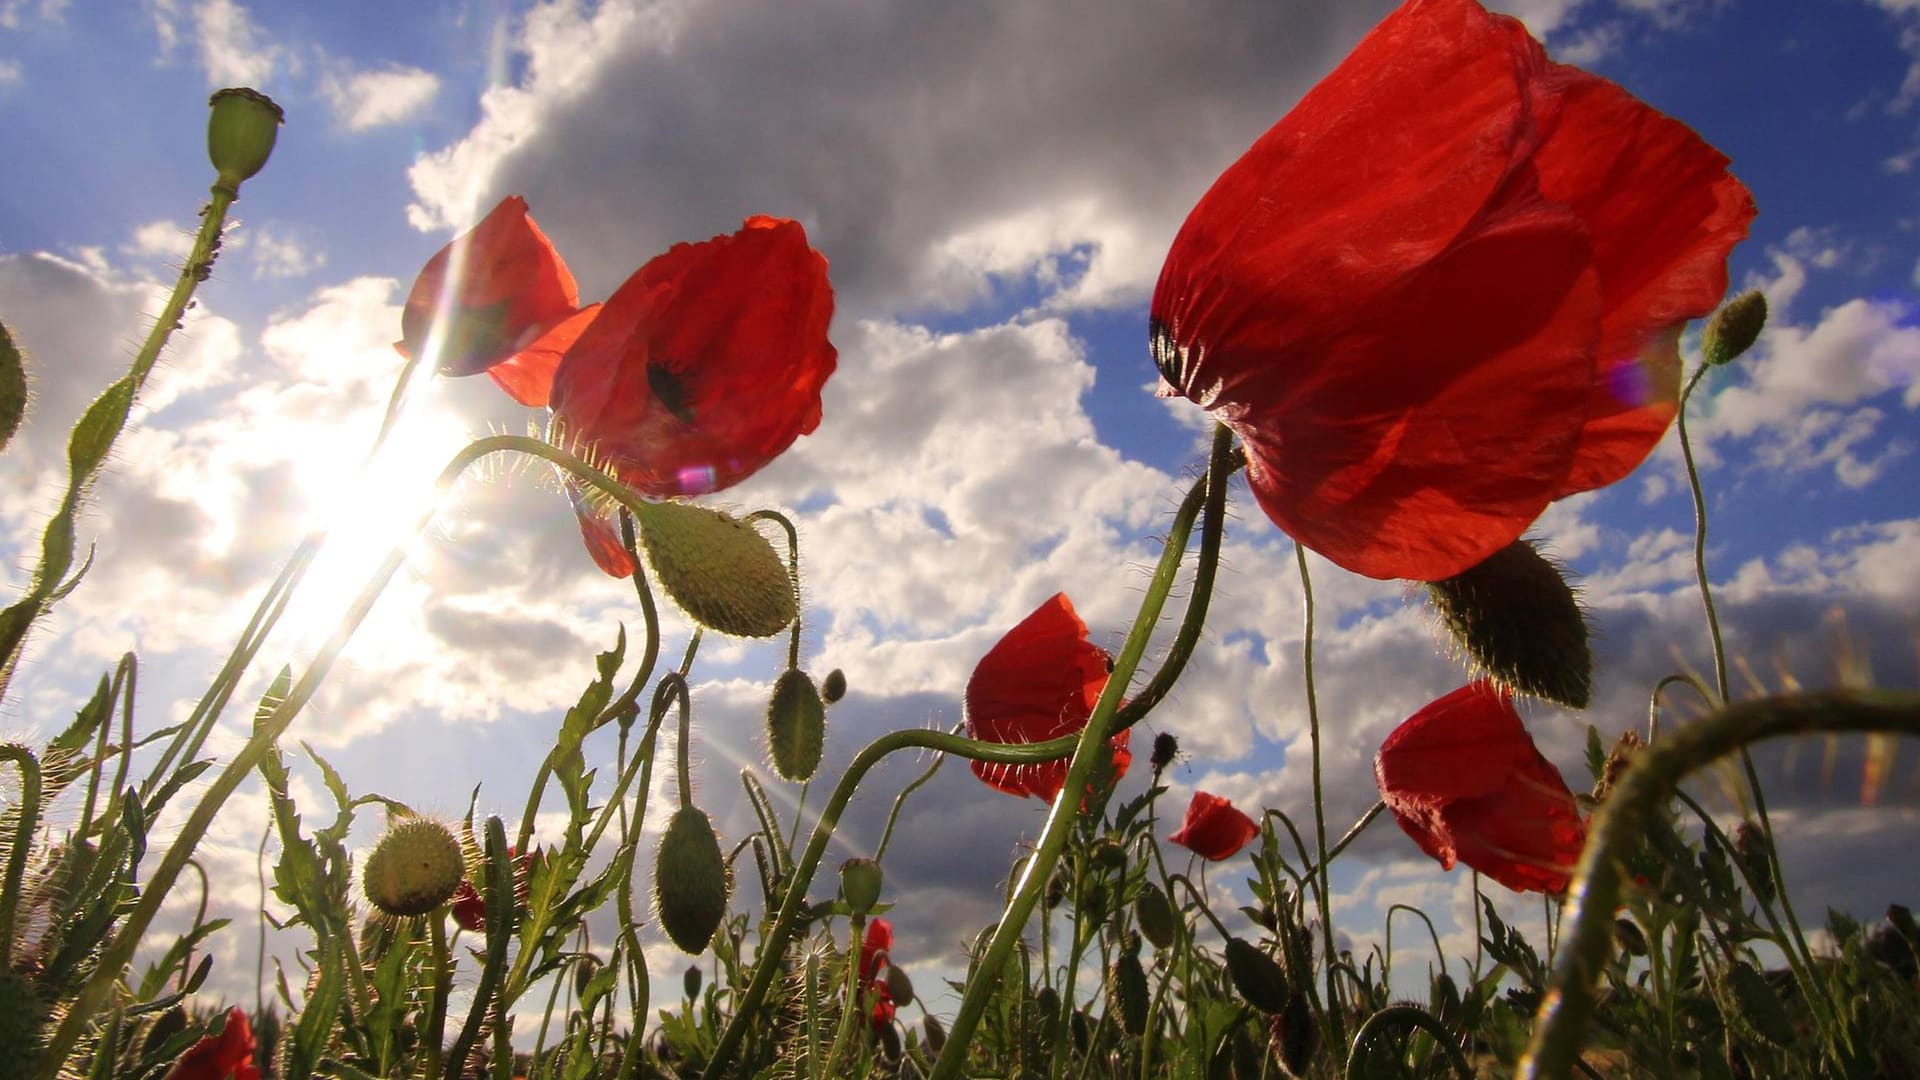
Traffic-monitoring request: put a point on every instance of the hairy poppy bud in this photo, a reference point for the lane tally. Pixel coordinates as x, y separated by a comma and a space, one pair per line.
796, 726
1154, 912
899, 986
241, 133
690, 881
1127, 993
690, 982
834, 686
936, 1034
1165, 748
1750, 847
584, 969
1299, 1035
1108, 854
1628, 935
860, 881
1255, 975
719, 569
1516, 618
1734, 328
13, 388
414, 868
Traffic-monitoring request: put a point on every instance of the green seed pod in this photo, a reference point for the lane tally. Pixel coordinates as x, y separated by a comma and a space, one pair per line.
1154, 912
899, 986
1127, 994
1734, 328
796, 726
690, 881
13, 387
690, 982
860, 883
1258, 979
719, 569
414, 868
834, 686
1517, 619
240, 133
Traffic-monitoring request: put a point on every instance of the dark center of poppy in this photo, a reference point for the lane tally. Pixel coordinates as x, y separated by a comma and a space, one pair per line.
670, 392
1168, 355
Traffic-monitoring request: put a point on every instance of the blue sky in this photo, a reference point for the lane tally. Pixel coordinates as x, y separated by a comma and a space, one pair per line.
995, 187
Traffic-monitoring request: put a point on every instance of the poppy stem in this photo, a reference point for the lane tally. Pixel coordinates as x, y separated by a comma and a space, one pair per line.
880, 849
1560, 1027
29, 813
1321, 880
1405, 1016
793, 574
1092, 743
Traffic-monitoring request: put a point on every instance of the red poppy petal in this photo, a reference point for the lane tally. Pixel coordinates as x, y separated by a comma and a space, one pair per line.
1462, 746
1527, 838
602, 539
1214, 828
528, 376
1664, 213
1039, 682
707, 363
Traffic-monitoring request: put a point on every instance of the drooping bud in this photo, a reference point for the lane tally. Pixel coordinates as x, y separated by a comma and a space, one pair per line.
414, 868
240, 133
13, 387
1165, 748
1154, 912
899, 986
584, 969
796, 726
690, 982
690, 881
1750, 847
721, 571
1516, 618
1299, 1035
1258, 979
1734, 328
834, 686
1628, 935
1127, 993
860, 882
936, 1034
1108, 854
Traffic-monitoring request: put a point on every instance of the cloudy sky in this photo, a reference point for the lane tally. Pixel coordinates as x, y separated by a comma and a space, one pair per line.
995, 185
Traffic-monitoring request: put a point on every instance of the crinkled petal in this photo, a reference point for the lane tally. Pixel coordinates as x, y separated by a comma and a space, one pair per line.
1214, 828
528, 376
1039, 682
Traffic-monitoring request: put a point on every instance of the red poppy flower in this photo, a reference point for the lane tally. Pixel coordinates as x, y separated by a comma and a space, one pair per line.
701, 369
1463, 778
497, 299
223, 1056
873, 957
1214, 828
1445, 290
1039, 682
470, 908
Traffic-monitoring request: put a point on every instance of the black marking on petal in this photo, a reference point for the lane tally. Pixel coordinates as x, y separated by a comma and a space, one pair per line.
670, 392
1168, 355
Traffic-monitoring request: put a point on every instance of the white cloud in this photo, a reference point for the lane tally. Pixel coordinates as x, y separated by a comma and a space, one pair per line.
231, 48
17, 13
162, 239
10, 73
369, 99
274, 254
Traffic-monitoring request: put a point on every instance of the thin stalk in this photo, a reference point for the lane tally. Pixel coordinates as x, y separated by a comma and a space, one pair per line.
29, 812
1621, 822
1322, 888
901, 799
436, 1033
1406, 1016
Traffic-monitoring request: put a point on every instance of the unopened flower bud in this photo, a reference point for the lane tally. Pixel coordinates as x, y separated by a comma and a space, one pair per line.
936, 1034
1628, 935
584, 969
240, 133
1750, 847
13, 388
1165, 747
834, 686
718, 568
1734, 328
1108, 854
1625, 749
860, 882
690, 881
899, 986
796, 726
1255, 975
414, 868
1516, 618
1154, 912
1127, 993
690, 982
1299, 1035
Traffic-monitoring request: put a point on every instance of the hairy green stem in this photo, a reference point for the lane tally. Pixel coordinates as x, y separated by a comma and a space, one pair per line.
1622, 821
29, 811
1322, 887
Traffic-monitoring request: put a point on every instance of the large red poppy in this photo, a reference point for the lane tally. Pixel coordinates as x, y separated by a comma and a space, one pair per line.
1039, 682
497, 299
223, 1056
1214, 828
1463, 778
1445, 290
701, 369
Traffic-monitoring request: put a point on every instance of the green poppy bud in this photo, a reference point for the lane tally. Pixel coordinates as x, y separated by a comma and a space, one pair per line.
1154, 912
1299, 1035
796, 726
834, 686
23, 1018
13, 388
414, 868
240, 133
719, 569
690, 881
1127, 993
1517, 619
860, 881
899, 986
1734, 328
690, 982
1255, 975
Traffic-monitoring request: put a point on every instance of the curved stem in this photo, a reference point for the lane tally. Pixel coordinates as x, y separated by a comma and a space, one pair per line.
1659, 688
1387, 964
1622, 821
1353, 832
901, 799
1406, 1016
1067, 807
29, 810
199, 919
793, 574
1200, 901
1322, 886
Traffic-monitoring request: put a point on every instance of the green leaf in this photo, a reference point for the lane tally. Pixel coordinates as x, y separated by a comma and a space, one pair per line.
1760, 1004
99, 426
314, 1031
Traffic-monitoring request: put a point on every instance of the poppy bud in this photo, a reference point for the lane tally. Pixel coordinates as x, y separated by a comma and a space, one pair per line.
1108, 854
1255, 975
1154, 912
13, 388
1245, 1056
1299, 1035
936, 1034
584, 969
1446, 999
889, 1043
1127, 994
1750, 846
690, 982
690, 881
1622, 755
414, 868
1056, 888
1734, 328
1628, 935
899, 986
241, 133
719, 569
1165, 747
860, 881
1517, 620
834, 686
796, 726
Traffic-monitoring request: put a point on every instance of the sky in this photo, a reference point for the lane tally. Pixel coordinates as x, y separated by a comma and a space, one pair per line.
995, 186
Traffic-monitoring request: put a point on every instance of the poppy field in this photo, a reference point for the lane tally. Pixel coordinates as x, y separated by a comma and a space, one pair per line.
1457, 283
